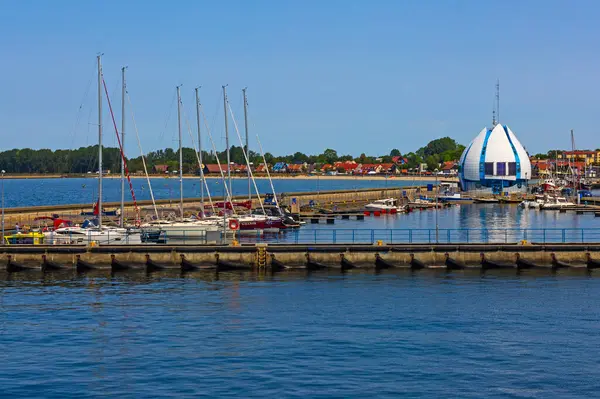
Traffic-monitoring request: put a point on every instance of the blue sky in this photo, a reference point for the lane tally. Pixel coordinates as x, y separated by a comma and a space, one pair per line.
355, 76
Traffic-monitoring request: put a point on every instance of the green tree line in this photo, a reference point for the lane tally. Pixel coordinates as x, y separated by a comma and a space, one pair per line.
85, 159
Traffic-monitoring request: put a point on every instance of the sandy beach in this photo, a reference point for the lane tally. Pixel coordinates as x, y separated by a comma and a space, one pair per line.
240, 176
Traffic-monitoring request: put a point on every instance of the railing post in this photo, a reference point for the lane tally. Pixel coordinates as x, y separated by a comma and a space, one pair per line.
391, 236
334, 231
353, 231
563, 236
448, 234
315, 235
582, 236
296, 232
467, 236
410, 237
372, 236
429, 238
544, 235
506, 236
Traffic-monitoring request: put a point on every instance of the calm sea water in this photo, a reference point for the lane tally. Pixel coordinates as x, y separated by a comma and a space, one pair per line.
323, 335
32, 192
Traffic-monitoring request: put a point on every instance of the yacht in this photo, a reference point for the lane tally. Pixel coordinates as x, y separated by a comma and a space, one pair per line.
387, 204
185, 228
555, 203
86, 234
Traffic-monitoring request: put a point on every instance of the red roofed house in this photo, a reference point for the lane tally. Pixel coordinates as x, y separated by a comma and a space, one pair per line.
295, 168
261, 168
161, 168
346, 166
214, 168
450, 168
399, 160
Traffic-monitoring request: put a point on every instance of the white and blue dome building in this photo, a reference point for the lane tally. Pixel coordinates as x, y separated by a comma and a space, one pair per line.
495, 162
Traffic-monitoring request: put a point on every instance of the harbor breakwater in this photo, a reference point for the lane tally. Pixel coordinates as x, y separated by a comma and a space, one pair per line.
279, 257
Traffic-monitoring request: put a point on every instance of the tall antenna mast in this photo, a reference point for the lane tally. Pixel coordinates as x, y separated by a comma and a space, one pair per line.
498, 100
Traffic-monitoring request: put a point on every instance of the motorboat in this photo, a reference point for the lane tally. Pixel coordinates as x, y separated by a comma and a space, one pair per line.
387, 204
75, 235
551, 203
484, 200
454, 197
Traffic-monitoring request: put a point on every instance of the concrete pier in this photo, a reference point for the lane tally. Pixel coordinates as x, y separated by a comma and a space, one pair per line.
295, 256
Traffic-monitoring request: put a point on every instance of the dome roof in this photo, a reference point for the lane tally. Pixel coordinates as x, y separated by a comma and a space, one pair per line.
495, 154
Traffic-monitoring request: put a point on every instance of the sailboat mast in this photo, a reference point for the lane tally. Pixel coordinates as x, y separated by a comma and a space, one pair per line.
180, 152
99, 141
200, 151
123, 89
247, 145
227, 140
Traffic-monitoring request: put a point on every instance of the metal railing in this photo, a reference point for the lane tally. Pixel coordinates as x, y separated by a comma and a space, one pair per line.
336, 236
430, 236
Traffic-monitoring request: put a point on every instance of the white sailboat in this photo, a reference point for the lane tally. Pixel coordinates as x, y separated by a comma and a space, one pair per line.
90, 232
183, 227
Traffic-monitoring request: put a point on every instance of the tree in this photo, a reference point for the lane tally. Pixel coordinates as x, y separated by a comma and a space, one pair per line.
438, 146
432, 163
330, 155
395, 153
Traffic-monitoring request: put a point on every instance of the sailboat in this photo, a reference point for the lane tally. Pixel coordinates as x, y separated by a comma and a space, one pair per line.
182, 227
258, 221
94, 230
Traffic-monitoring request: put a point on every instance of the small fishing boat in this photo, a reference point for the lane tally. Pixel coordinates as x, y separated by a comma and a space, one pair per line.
24, 238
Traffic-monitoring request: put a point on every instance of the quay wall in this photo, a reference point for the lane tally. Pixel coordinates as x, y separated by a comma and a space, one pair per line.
252, 256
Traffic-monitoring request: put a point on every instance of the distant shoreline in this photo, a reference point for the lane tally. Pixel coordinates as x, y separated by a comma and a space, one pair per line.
243, 177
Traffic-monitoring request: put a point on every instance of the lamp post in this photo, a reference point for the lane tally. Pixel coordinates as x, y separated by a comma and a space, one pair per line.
3, 172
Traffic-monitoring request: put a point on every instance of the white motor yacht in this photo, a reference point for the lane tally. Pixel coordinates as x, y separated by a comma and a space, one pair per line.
386, 204
86, 235
556, 203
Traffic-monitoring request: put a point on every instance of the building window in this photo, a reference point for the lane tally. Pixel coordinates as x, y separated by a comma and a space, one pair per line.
489, 168
500, 168
512, 168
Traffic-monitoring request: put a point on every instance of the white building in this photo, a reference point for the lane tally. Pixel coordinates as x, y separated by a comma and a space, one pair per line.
495, 162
